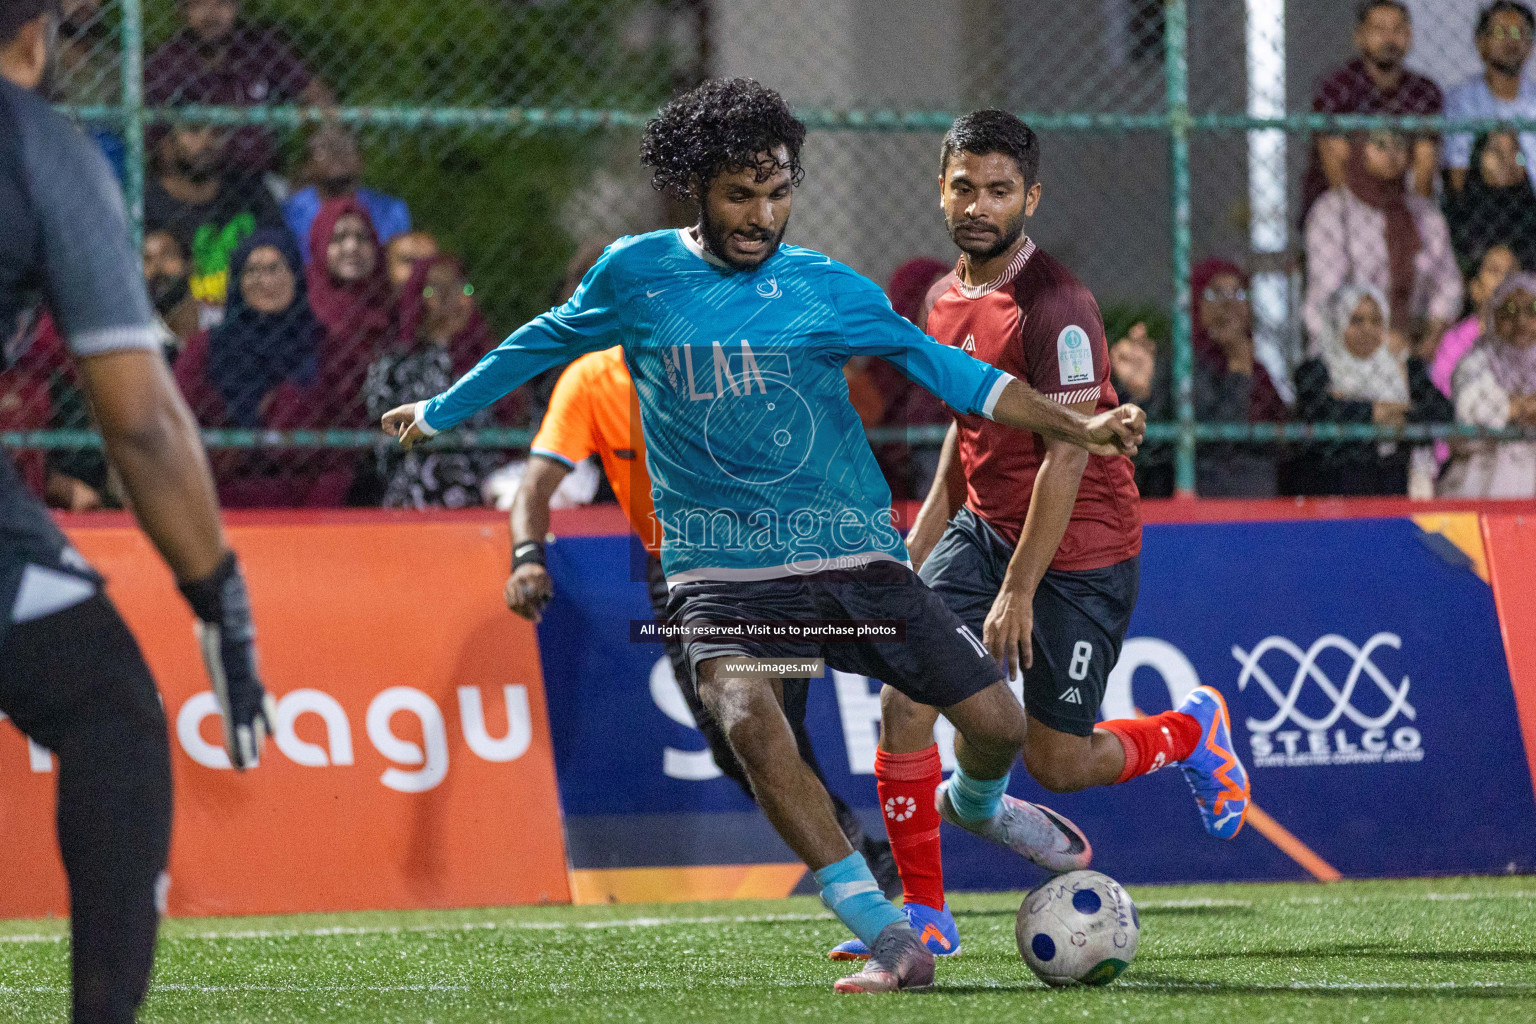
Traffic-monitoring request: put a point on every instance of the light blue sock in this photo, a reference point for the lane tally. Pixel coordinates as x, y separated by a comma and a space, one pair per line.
850, 892
976, 799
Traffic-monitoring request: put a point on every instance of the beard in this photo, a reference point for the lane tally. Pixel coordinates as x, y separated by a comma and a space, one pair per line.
1388, 58
168, 291
198, 172
1006, 237
715, 236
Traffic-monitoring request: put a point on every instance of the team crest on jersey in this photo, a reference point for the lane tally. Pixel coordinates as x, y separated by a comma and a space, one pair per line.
769, 289
1074, 356
969, 344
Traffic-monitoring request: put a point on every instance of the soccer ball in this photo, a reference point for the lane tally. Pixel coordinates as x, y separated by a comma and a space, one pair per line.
1078, 928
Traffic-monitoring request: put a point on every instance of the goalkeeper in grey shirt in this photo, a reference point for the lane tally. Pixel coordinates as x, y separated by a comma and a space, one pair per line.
71, 675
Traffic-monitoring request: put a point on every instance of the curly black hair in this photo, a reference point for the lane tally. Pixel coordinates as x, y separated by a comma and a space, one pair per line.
722, 125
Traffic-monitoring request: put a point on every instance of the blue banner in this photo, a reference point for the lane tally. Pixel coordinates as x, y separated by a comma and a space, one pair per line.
1361, 661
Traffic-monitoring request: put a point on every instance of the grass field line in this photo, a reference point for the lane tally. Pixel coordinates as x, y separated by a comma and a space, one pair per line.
210, 989
471, 926
1404, 987
1390, 987
492, 926
728, 919
1305, 901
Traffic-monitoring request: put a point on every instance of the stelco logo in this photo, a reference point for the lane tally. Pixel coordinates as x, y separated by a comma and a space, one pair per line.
1343, 734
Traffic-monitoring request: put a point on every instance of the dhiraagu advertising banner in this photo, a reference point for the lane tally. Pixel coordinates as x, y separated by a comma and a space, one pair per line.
1361, 660
410, 767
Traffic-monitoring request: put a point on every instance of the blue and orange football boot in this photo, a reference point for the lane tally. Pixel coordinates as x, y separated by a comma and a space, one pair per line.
935, 927
1213, 771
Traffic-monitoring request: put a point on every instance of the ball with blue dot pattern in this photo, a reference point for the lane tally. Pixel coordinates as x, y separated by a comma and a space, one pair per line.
1080, 928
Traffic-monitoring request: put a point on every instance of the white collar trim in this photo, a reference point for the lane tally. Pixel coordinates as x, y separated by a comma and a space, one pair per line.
1015, 266
693, 245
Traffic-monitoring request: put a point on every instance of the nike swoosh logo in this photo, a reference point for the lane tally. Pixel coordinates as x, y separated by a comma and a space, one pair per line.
1074, 841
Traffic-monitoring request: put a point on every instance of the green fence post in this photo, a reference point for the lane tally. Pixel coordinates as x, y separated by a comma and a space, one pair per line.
1176, 67
133, 117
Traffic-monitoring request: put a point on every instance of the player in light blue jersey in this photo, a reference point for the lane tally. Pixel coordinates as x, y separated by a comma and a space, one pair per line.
772, 506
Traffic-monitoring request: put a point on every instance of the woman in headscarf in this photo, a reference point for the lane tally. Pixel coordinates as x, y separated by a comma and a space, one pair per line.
350, 293
437, 307
1373, 231
1363, 373
1230, 386
259, 370
1495, 387
442, 335
1497, 205
269, 338
1495, 265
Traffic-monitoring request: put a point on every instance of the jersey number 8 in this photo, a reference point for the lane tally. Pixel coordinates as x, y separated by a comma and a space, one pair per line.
1082, 654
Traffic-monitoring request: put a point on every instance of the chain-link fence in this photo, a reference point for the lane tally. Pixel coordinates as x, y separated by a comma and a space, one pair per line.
1308, 272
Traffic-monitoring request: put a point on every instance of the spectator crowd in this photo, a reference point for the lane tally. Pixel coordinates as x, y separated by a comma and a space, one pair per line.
1420, 298
300, 302
308, 300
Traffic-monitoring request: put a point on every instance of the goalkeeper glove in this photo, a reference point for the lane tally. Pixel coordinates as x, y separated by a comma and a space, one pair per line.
227, 637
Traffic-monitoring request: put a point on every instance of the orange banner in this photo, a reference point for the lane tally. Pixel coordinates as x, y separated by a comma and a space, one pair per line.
1511, 543
412, 765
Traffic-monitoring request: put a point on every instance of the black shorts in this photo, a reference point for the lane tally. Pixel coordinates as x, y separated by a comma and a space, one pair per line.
938, 662
1080, 618
796, 691
78, 665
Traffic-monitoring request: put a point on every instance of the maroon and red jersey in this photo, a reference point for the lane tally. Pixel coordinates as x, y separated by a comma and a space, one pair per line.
1041, 324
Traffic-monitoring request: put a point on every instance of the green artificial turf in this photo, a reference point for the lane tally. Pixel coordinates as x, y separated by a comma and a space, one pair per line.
1433, 951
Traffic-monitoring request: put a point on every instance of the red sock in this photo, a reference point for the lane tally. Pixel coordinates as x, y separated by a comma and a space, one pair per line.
906, 784
1153, 741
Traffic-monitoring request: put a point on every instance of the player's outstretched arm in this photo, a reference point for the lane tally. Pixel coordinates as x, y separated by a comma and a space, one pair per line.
588, 322
152, 440
967, 384
1117, 432
539, 345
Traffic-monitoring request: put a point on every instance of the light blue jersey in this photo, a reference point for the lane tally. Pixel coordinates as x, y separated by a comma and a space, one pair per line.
759, 465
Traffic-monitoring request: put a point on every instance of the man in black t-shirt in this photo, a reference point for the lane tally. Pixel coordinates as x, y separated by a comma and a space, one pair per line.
71, 675
210, 207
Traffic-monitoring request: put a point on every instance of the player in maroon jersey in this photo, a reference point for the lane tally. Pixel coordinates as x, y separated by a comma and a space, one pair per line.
1034, 544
